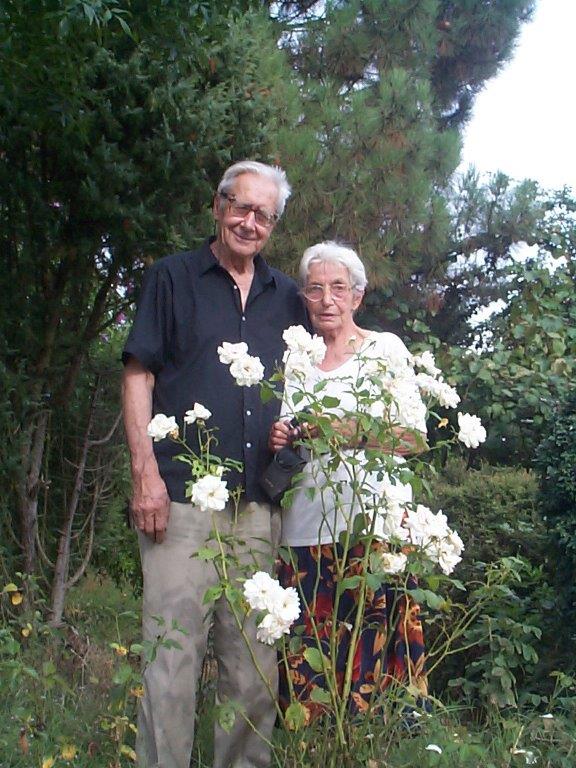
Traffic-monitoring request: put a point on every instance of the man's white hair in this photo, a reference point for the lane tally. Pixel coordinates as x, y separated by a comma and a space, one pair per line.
337, 254
272, 172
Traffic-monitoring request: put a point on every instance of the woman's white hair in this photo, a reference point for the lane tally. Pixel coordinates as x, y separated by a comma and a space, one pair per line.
335, 253
272, 172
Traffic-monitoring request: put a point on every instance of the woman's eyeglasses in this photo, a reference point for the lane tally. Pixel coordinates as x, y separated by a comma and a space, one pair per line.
261, 217
315, 292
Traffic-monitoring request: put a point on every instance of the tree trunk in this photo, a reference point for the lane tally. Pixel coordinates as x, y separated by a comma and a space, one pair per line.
62, 565
32, 455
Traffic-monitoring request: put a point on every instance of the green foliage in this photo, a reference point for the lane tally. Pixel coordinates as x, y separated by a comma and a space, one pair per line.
526, 364
384, 89
366, 126
111, 148
495, 509
68, 693
524, 637
556, 465
488, 219
76, 688
116, 552
505, 644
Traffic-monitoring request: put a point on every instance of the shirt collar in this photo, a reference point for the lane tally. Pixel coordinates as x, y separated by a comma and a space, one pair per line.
208, 261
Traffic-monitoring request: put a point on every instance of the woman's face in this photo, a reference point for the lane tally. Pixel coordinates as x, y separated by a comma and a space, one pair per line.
331, 313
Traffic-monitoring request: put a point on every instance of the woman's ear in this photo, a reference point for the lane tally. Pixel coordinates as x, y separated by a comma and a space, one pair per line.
357, 299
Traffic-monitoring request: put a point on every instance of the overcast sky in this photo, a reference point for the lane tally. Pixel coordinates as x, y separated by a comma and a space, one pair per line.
524, 122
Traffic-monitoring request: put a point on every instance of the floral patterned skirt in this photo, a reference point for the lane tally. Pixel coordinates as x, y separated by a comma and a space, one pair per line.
390, 646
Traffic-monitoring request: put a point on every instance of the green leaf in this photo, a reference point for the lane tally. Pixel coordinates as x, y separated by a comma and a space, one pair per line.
136, 649
295, 716
207, 554
170, 644
125, 26
374, 581
212, 594
266, 394
225, 716
351, 582
320, 696
434, 601
330, 402
294, 644
315, 659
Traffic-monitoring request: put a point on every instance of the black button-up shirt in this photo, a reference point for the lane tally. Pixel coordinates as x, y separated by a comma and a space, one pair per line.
188, 306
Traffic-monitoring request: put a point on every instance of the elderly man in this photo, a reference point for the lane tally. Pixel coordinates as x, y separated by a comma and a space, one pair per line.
190, 303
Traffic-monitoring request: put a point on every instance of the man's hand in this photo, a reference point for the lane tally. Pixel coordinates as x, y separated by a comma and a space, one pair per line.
150, 505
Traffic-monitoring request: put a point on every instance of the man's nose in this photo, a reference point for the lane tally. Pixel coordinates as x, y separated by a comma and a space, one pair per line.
249, 219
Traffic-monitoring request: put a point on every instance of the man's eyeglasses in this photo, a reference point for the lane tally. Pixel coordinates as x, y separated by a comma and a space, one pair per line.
261, 217
315, 291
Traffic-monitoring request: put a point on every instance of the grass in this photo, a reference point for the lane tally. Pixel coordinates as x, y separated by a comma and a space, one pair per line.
69, 699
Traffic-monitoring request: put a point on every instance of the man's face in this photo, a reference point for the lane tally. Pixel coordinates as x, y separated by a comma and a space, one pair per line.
242, 236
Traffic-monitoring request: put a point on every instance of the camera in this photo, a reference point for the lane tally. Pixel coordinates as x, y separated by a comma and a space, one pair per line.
285, 465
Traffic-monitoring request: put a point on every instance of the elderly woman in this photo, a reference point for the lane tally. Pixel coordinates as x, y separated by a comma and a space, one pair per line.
325, 502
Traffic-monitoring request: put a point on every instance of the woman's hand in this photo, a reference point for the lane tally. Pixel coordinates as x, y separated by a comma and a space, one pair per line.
281, 435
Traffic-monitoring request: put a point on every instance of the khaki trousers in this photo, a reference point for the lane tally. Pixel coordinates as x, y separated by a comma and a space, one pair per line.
174, 587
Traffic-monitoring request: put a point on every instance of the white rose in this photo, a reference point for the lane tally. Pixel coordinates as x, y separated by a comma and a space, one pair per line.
210, 493
391, 527
395, 497
300, 342
247, 370
229, 352
427, 384
161, 426
317, 350
425, 526
271, 628
471, 433
447, 396
397, 361
198, 412
261, 591
443, 392
427, 362
286, 605
393, 563
408, 408
297, 365
297, 338
447, 552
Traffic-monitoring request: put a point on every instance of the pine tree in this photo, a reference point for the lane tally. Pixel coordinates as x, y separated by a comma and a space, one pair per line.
386, 89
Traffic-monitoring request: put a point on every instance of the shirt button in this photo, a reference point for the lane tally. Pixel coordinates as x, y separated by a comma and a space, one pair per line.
248, 445
248, 413
243, 317
235, 287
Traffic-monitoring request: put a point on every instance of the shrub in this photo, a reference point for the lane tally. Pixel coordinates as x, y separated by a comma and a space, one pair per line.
556, 467
495, 509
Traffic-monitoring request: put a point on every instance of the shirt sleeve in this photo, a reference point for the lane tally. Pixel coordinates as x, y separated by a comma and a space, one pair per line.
148, 340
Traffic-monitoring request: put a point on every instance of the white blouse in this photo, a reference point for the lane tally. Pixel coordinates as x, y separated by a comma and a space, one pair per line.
319, 512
